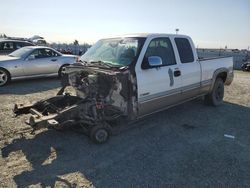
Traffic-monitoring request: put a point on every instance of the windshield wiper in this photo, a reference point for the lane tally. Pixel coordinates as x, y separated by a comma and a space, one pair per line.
83, 61
101, 63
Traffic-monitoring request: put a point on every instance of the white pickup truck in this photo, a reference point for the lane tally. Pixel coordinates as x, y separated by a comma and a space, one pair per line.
128, 77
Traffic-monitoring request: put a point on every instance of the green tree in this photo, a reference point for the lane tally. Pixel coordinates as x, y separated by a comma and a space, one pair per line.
76, 42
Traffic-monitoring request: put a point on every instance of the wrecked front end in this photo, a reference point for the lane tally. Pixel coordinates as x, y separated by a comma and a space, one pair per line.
103, 97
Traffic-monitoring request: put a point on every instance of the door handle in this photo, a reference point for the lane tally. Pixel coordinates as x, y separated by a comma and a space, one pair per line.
177, 73
53, 59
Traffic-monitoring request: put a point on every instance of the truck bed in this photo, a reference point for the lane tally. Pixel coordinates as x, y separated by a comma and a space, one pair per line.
211, 58
210, 65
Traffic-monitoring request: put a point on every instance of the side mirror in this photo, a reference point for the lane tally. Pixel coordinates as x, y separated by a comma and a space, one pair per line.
31, 57
154, 61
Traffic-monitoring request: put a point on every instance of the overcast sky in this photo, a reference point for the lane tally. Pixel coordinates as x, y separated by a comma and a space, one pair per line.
211, 23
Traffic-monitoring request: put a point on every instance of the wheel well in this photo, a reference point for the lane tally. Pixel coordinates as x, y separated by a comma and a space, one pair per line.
223, 76
60, 69
6, 71
63, 66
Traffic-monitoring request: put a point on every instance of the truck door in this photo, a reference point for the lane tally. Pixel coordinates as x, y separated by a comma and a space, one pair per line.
159, 85
189, 67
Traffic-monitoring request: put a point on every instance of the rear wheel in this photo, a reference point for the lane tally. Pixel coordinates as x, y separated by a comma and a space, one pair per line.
215, 98
4, 77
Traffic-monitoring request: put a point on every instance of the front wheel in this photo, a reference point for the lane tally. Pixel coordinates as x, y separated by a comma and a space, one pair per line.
215, 98
60, 72
4, 77
100, 134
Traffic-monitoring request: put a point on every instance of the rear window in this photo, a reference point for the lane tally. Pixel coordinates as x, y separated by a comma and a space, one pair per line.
185, 50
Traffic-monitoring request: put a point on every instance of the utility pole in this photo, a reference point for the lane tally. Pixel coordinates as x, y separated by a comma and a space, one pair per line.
176, 30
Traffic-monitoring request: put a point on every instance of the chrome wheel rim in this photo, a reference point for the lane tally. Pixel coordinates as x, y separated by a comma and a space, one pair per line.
3, 77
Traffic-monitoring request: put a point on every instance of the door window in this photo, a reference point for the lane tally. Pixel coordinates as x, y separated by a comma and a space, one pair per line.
44, 53
36, 54
162, 48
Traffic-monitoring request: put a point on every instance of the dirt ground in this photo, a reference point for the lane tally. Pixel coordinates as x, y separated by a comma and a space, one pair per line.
184, 146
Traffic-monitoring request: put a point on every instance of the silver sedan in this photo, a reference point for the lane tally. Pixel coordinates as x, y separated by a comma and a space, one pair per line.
31, 62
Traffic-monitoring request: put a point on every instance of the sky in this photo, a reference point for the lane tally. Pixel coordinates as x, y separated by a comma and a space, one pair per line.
211, 23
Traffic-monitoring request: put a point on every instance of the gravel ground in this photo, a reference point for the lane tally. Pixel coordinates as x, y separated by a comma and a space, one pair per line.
184, 146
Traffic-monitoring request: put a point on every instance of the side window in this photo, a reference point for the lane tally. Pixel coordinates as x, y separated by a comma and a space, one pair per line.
1, 46
8, 46
161, 47
35, 53
19, 45
50, 53
39, 53
184, 50
54, 54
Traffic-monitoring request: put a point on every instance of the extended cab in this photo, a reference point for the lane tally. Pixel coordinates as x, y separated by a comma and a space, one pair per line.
122, 79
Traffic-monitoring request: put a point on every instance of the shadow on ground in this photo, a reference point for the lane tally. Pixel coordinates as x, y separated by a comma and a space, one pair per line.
22, 87
180, 147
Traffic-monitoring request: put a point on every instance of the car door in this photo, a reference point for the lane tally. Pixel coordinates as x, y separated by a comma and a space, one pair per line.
189, 67
41, 62
158, 86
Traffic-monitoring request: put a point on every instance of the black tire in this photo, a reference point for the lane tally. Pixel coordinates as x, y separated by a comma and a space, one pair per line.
5, 77
60, 70
100, 134
215, 98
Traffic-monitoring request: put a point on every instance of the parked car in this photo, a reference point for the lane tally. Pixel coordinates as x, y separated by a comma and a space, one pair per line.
8, 46
121, 80
31, 62
245, 66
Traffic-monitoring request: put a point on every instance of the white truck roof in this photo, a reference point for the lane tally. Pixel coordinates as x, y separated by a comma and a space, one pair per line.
148, 35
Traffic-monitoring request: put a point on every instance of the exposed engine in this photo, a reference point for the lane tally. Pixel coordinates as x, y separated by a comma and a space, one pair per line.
101, 86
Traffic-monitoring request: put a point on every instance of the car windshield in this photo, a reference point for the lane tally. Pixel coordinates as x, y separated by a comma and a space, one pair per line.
20, 52
114, 52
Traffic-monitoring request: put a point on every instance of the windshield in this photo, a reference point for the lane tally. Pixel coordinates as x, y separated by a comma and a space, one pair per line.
116, 52
20, 52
